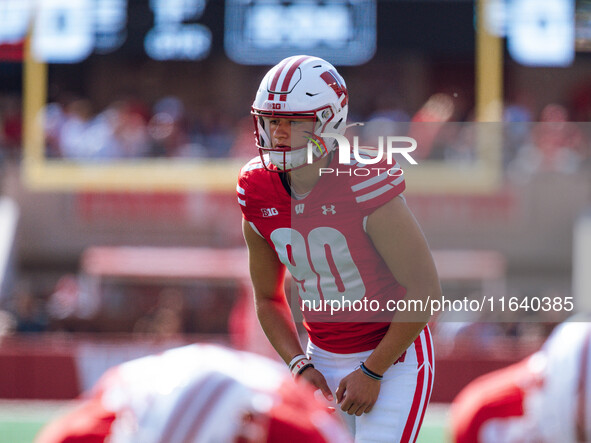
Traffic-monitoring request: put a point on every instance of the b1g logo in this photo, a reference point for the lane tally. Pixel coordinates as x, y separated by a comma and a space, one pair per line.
394, 145
269, 212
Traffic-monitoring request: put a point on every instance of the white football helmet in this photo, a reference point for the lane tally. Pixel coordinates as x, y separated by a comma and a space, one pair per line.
205, 393
300, 87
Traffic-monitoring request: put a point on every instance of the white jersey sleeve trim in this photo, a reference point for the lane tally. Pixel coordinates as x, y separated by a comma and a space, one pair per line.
242, 202
240, 190
254, 228
378, 178
379, 191
252, 167
254, 163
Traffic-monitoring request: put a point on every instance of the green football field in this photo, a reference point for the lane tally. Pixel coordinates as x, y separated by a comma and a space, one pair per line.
21, 420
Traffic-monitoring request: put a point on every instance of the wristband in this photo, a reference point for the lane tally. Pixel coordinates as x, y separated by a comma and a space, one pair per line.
301, 371
370, 373
300, 366
295, 360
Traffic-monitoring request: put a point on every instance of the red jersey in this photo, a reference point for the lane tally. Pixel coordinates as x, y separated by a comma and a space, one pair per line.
544, 398
197, 393
321, 239
491, 408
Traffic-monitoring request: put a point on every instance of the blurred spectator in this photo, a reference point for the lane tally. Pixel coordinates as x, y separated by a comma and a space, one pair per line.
382, 124
458, 143
54, 118
121, 130
427, 124
516, 113
517, 117
71, 303
581, 103
11, 125
213, 311
167, 129
438, 108
560, 142
125, 130
165, 320
129, 129
456, 336
29, 311
63, 302
519, 107
243, 145
84, 136
389, 106
215, 132
73, 133
8, 324
555, 144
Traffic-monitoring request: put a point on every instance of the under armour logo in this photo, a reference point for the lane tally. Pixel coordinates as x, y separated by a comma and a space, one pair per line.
299, 209
328, 210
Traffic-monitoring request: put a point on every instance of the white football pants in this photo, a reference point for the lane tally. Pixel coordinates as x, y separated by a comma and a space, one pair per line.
404, 394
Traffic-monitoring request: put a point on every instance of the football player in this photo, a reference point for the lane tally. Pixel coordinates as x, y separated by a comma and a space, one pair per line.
352, 247
198, 394
545, 398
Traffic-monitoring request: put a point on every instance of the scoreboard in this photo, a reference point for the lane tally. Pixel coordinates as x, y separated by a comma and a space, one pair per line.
254, 31
261, 32
264, 31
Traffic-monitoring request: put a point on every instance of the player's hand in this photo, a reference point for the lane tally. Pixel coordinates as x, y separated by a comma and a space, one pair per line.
357, 393
316, 379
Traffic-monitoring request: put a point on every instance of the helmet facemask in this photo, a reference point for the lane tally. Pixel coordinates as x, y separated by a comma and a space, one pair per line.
303, 146
299, 89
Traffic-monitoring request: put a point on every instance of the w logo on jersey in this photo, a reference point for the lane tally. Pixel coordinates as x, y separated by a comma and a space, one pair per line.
299, 209
328, 210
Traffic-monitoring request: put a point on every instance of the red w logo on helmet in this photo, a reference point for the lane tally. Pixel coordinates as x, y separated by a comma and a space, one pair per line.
332, 79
